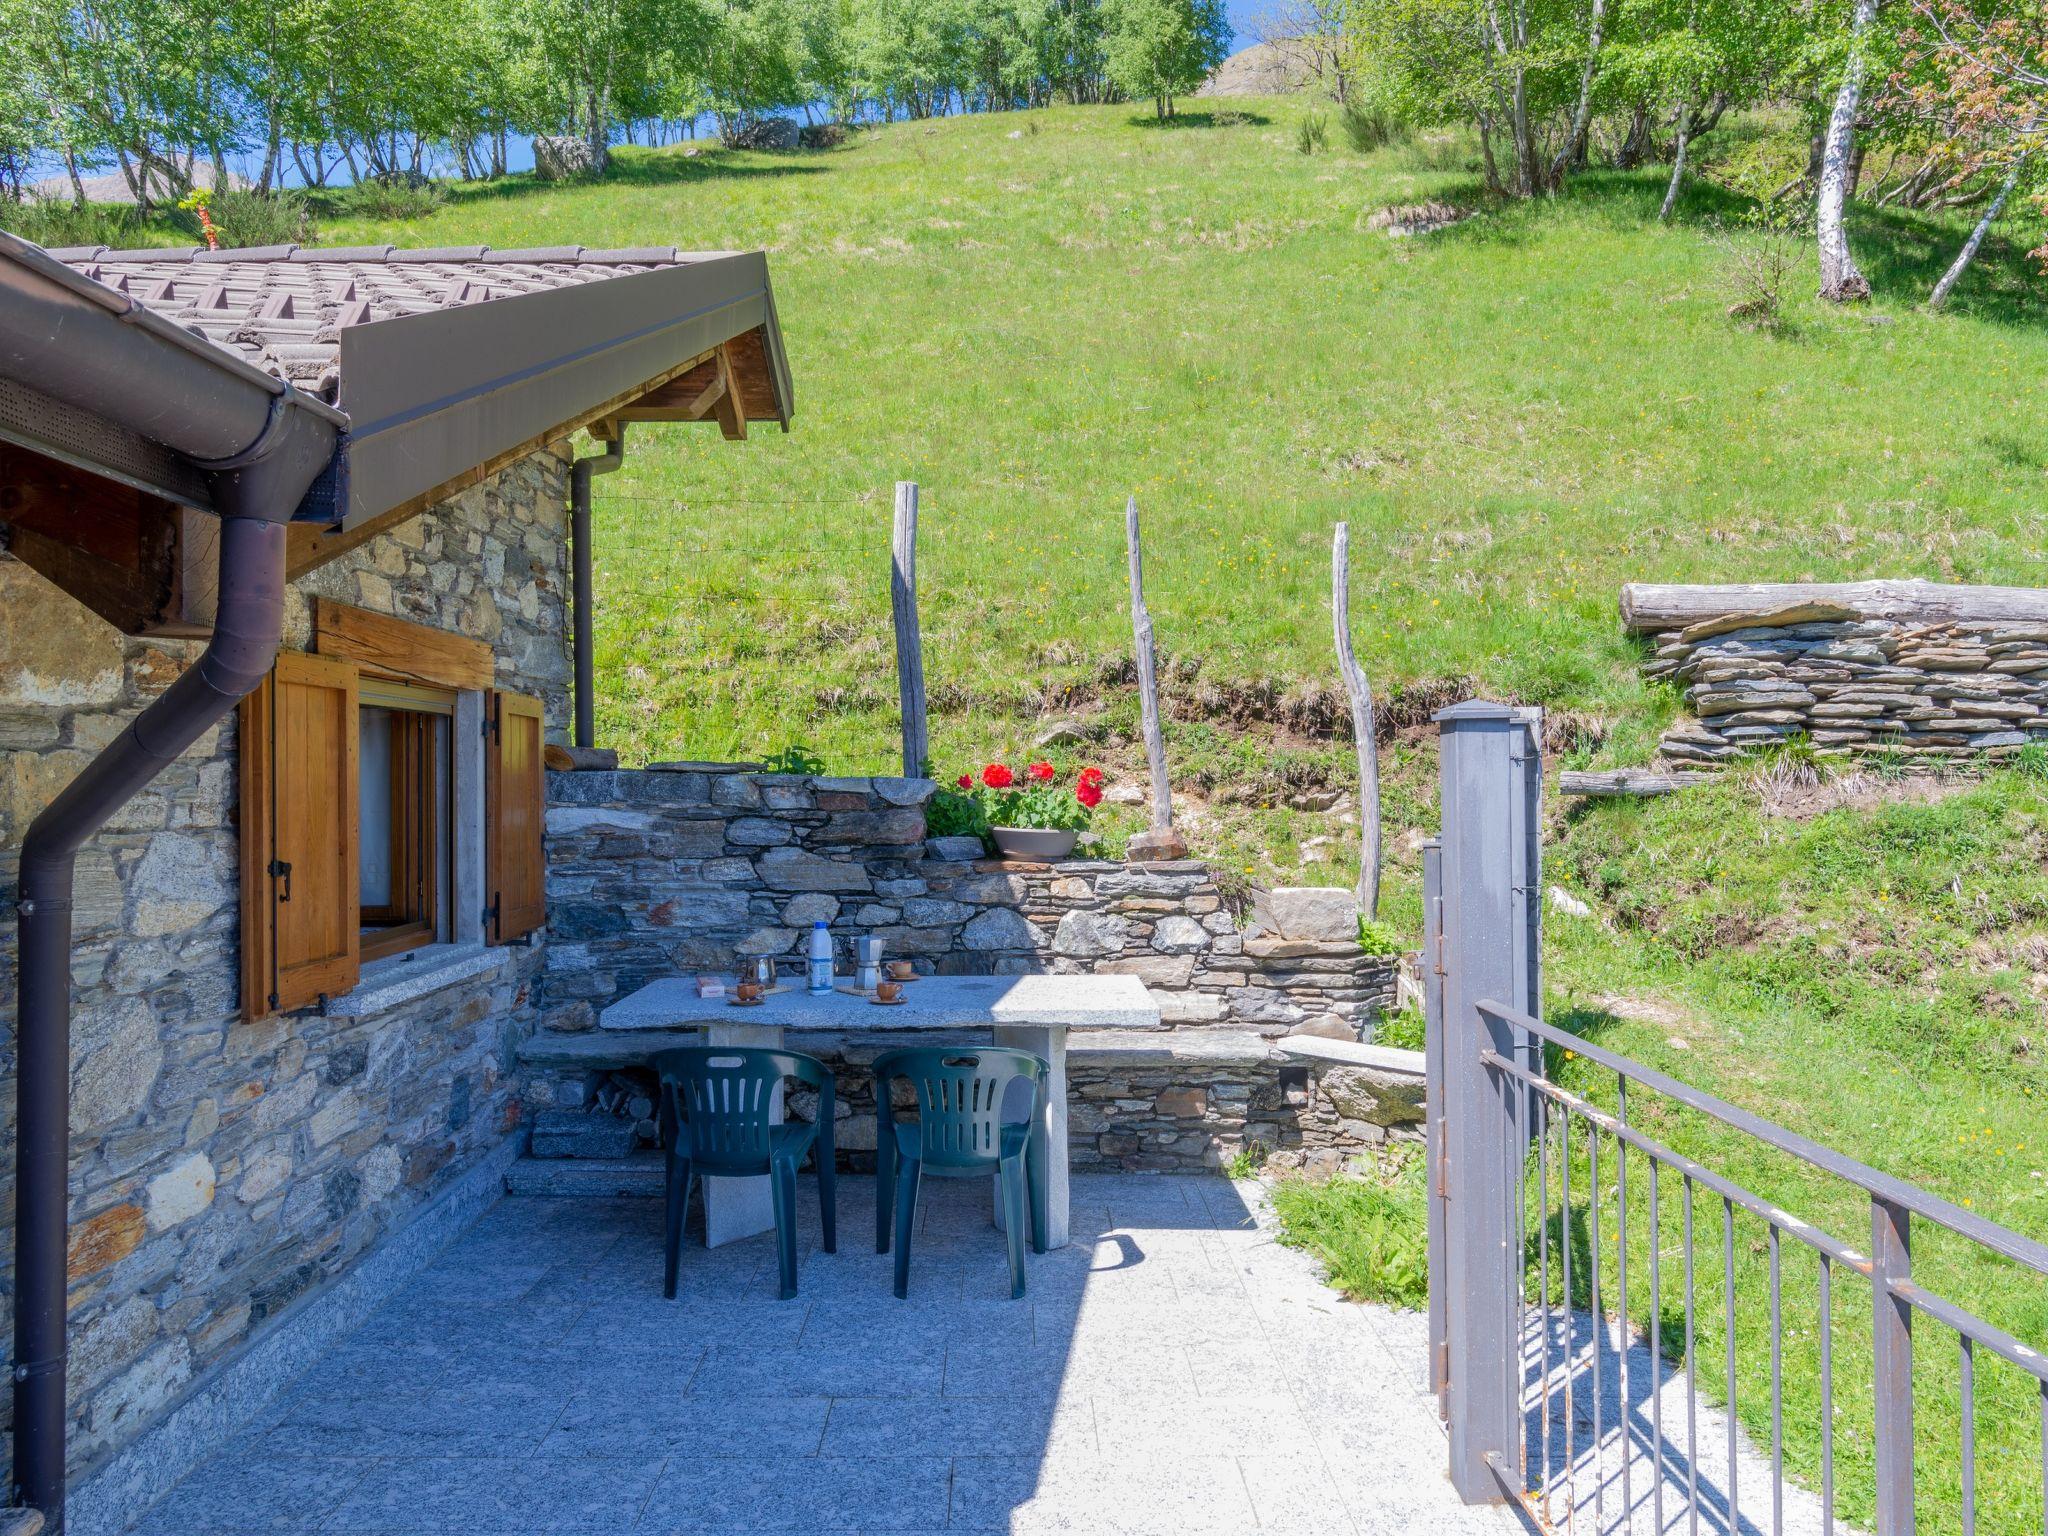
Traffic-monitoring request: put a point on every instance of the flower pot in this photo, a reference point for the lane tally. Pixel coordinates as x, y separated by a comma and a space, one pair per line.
1034, 843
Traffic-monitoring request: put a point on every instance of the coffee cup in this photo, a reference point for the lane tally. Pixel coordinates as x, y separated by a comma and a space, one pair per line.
750, 991
902, 970
888, 991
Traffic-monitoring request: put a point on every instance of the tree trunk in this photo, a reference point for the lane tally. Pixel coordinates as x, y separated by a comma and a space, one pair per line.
1635, 145
1840, 281
1968, 253
77, 181
1651, 608
1677, 164
1575, 142
1486, 154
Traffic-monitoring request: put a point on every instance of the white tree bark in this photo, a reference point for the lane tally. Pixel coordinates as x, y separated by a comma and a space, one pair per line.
1840, 281
1968, 253
1362, 731
1677, 164
1582, 115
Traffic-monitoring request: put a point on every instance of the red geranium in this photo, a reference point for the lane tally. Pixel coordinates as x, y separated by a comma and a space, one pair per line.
1091, 776
1041, 772
1089, 792
997, 776
966, 781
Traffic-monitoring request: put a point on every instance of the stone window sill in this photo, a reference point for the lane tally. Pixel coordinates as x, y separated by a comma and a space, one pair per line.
415, 974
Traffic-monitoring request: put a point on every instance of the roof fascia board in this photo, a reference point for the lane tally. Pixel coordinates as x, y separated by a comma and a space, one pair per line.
435, 394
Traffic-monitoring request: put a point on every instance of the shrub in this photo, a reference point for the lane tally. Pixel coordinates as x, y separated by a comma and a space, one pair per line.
794, 758
398, 197
1372, 1232
244, 217
1367, 126
50, 221
1313, 134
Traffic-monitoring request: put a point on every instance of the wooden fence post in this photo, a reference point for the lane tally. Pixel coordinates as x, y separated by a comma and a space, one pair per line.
1159, 840
909, 643
1362, 733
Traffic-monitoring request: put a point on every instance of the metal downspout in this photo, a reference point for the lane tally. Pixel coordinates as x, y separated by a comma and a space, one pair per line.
579, 540
255, 492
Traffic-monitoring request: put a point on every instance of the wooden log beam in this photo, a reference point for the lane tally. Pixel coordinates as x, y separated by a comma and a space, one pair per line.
141, 563
1650, 608
1627, 783
579, 759
909, 641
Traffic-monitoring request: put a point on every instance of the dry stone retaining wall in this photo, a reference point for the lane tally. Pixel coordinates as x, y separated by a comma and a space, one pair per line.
655, 873
1930, 691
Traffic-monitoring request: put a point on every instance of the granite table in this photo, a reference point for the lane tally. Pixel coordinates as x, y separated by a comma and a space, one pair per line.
1032, 1013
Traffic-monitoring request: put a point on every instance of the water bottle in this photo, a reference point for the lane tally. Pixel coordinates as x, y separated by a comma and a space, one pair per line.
821, 958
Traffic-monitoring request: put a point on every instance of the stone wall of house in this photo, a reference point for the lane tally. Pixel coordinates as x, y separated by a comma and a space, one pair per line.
222, 1169
655, 873
1926, 691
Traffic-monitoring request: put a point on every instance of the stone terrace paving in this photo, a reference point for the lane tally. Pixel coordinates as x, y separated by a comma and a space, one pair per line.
1181, 1373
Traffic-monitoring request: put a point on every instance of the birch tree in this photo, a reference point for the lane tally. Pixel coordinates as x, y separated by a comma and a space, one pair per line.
1840, 280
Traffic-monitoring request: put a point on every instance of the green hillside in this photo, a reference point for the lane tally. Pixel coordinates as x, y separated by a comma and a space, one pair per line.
1035, 314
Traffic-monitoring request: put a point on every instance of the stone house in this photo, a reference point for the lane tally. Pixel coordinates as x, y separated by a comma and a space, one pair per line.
300, 955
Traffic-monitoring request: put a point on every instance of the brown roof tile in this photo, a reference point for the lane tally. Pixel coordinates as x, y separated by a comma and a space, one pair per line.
282, 307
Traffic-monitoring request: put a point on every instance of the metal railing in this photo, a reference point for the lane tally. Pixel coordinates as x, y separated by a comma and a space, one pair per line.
1561, 1392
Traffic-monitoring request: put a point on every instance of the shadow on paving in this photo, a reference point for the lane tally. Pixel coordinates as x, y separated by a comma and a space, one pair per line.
1174, 1370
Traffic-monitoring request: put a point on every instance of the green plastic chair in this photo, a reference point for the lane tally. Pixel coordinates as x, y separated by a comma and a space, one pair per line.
715, 1106
959, 1132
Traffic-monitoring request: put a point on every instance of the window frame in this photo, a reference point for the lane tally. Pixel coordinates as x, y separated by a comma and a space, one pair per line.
422, 732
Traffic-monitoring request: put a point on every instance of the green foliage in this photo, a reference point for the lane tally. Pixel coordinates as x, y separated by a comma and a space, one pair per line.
1371, 1232
59, 222
1163, 48
245, 218
395, 199
1380, 938
953, 813
1247, 1160
1368, 125
1407, 1029
2031, 762
1313, 135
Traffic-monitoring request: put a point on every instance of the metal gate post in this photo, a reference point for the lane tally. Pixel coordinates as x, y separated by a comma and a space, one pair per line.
1433, 1107
1891, 1258
1488, 953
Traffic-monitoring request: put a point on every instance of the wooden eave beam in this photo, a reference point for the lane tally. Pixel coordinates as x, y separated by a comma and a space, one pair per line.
134, 559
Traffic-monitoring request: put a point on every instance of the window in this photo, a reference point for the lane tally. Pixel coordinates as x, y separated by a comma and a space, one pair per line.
363, 770
404, 866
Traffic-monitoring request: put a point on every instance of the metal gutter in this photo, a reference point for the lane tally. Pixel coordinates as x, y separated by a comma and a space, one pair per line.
258, 444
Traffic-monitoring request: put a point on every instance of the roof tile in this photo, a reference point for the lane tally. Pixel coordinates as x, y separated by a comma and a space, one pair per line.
283, 307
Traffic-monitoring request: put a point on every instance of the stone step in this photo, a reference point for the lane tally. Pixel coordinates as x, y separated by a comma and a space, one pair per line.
597, 1178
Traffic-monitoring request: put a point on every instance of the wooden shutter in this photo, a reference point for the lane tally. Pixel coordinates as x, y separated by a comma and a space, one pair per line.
300, 926
516, 795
